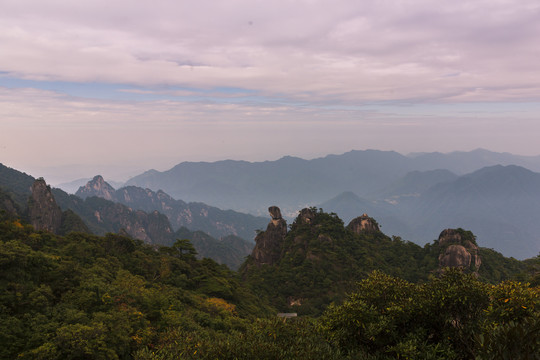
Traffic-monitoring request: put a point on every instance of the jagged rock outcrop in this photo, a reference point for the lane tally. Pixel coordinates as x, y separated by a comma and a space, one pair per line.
269, 243
152, 228
306, 216
43, 212
214, 221
459, 249
97, 187
362, 224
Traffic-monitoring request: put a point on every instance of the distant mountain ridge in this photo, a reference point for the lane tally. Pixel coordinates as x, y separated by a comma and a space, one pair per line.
500, 204
295, 183
463, 162
195, 216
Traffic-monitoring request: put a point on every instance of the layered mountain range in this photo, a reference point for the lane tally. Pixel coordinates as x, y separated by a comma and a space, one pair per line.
496, 195
500, 204
195, 216
411, 196
293, 182
99, 211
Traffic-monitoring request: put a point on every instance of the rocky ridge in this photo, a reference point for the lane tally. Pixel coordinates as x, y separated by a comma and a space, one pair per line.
195, 216
269, 244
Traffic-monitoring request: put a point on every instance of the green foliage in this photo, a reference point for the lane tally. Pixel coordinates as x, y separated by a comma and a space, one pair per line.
16, 184
71, 222
466, 235
262, 339
83, 296
510, 340
230, 250
322, 260
532, 271
455, 316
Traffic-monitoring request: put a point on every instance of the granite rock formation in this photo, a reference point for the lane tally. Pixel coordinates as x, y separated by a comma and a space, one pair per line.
269, 243
362, 224
459, 249
43, 211
152, 228
196, 216
97, 187
306, 216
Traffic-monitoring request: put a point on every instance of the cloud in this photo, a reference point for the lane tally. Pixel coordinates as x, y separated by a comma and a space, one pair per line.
349, 52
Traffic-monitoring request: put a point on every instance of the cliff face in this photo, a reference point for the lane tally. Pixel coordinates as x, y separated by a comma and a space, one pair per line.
152, 228
459, 249
362, 224
43, 212
269, 243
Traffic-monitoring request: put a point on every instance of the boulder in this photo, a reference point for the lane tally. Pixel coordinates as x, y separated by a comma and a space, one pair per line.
459, 249
362, 224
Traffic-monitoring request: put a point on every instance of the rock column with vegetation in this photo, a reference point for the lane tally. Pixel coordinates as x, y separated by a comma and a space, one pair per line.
269, 243
43, 212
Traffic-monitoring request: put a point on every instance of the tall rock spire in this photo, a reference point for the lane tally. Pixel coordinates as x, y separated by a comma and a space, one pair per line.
269, 243
43, 212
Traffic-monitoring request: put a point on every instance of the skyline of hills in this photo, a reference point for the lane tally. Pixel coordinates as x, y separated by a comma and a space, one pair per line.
294, 182
498, 203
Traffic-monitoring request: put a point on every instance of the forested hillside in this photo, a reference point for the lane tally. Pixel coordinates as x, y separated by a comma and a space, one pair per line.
86, 297
83, 296
319, 260
96, 213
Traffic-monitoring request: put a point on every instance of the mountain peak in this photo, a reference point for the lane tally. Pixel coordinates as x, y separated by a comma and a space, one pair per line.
96, 187
363, 224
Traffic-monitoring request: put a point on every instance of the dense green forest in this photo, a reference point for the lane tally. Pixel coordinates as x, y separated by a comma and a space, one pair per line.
321, 261
81, 296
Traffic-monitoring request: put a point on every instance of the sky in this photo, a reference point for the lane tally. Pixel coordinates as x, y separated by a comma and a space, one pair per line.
118, 87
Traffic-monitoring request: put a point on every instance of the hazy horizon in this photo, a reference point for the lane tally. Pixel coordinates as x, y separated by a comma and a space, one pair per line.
120, 173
